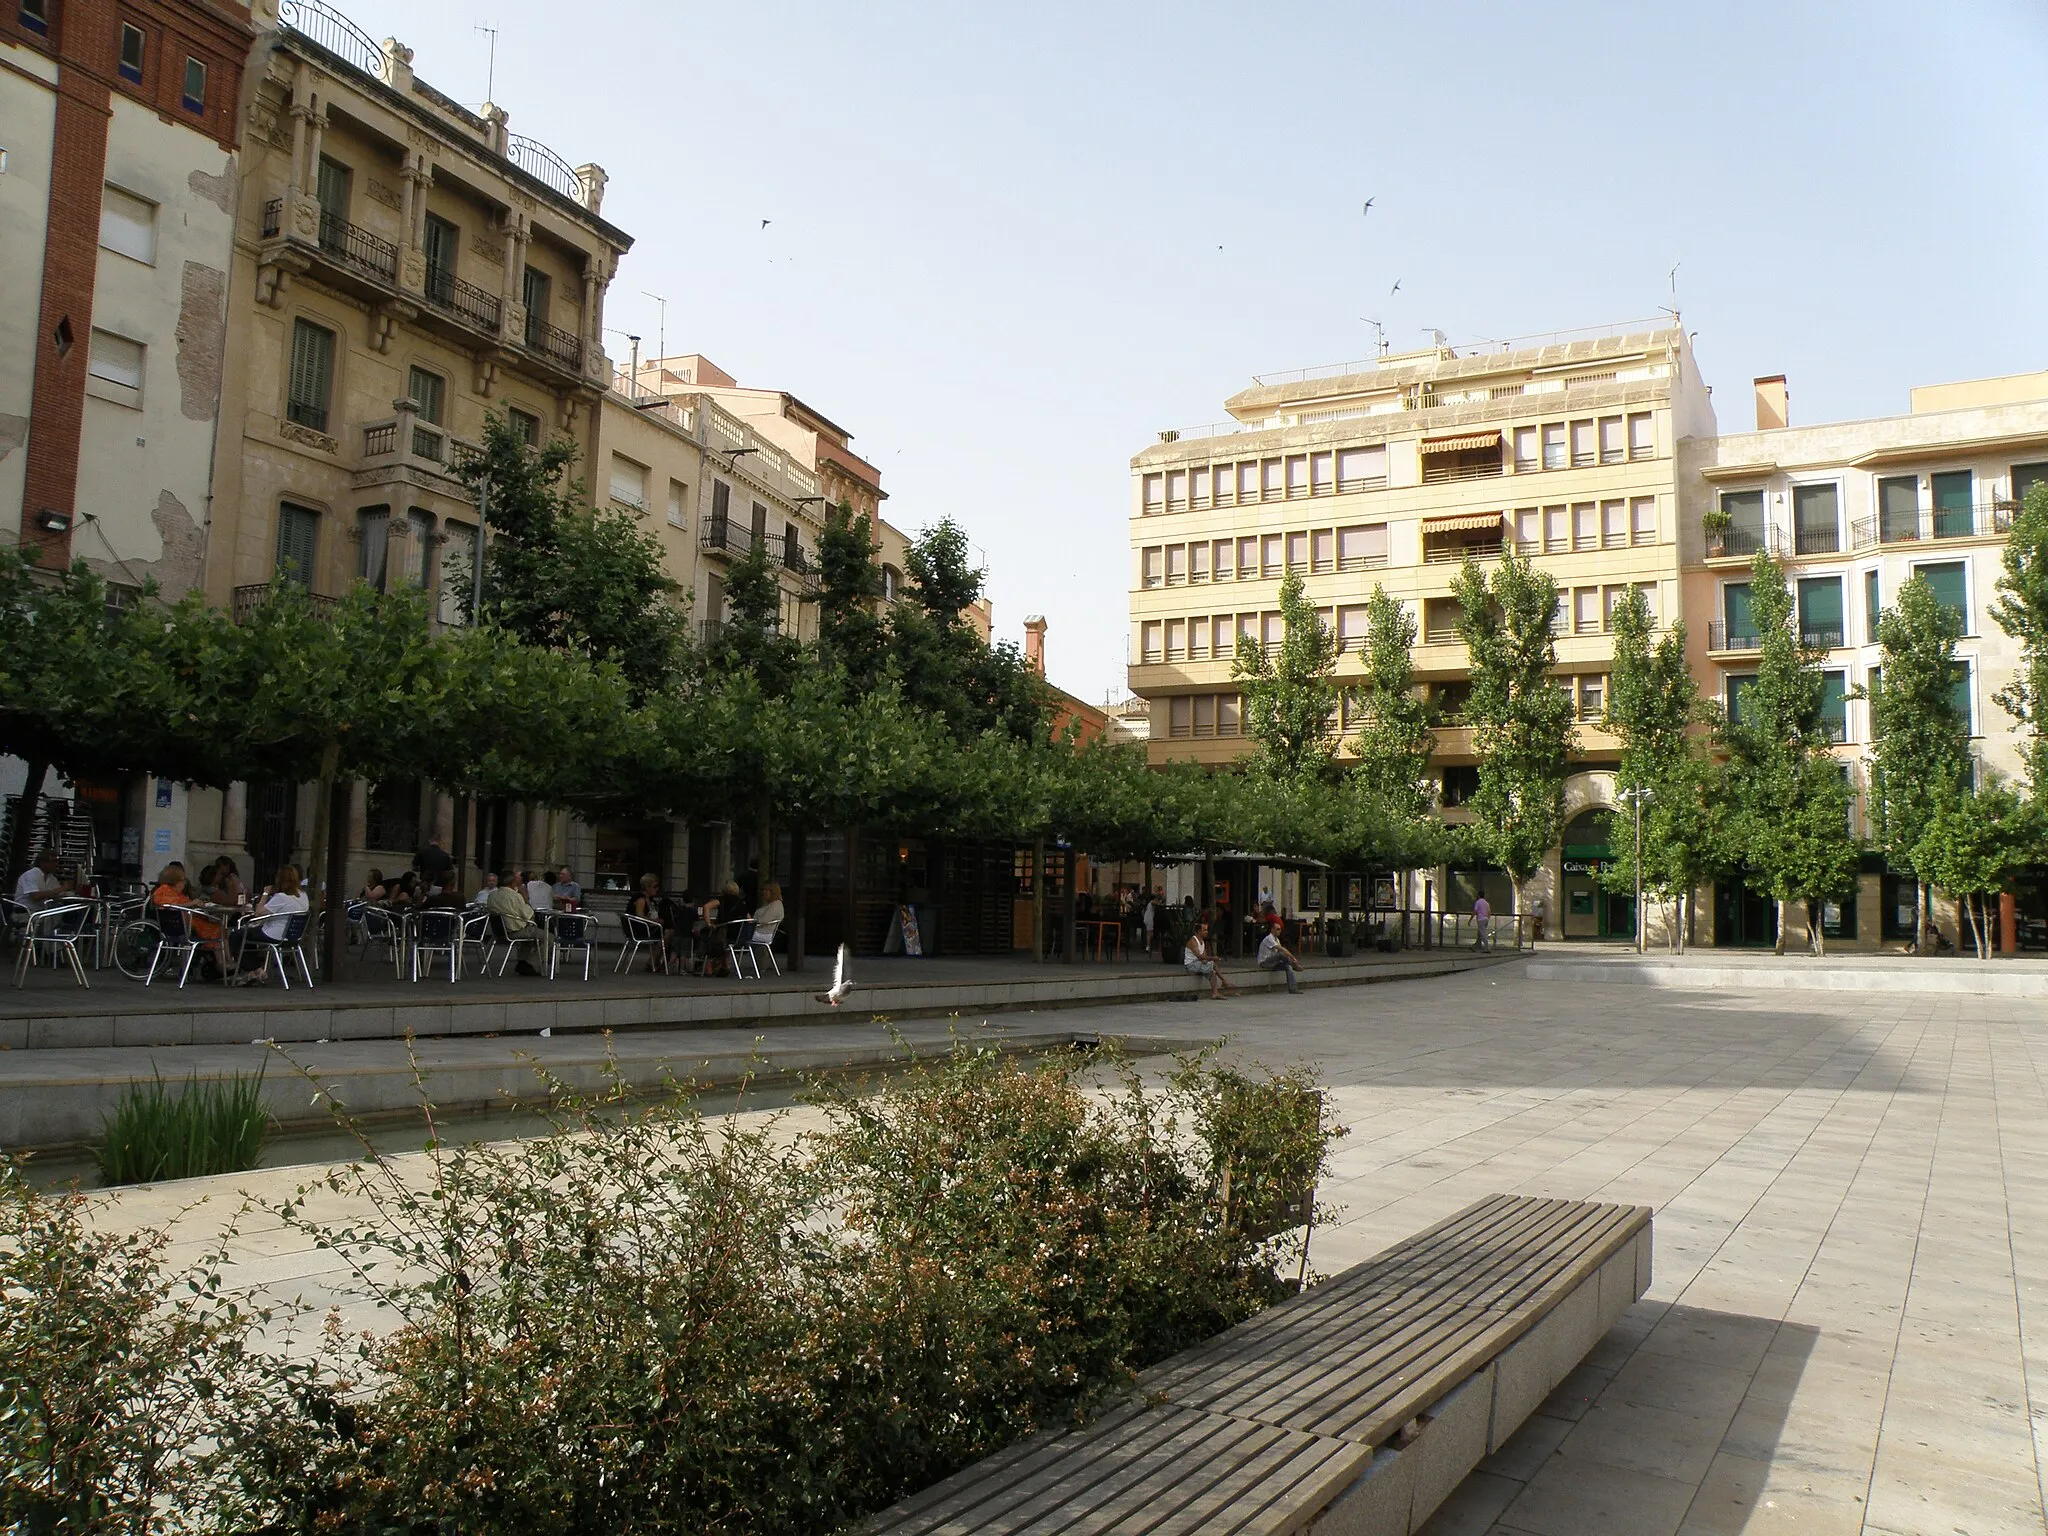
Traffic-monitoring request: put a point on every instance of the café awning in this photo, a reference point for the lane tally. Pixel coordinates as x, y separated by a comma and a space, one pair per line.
1466, 443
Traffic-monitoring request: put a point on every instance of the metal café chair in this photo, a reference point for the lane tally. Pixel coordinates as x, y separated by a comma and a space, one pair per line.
739, 947
762, 942
476, 923
495, 938
175, 937
437, 931
383, 926
57, 928
290, 942
571, 931
639, 933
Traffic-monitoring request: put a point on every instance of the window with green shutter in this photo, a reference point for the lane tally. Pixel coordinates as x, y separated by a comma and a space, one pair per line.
429, 391
312, 375
1741, 623
2025, 477
1871, 611
1834, 705
1952, 493
1738, 684
1820, 611
298, 535
1951, 587
1959, 694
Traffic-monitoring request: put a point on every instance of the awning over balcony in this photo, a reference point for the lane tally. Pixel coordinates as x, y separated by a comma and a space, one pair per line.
1467, 443
1463, 522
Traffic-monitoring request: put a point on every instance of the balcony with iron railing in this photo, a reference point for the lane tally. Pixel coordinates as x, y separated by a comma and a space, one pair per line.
1979, 520
247, 599
1720, 639
1745, 540
722, 536
464, 300
552, 341
1822, 636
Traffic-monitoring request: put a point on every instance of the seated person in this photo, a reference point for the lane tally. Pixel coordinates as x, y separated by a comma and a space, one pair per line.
39, 883
228, 890
768, 915
274, 913
374, 890
174, 889
540, 890
567, 893
404, 892
483, 891
507, 903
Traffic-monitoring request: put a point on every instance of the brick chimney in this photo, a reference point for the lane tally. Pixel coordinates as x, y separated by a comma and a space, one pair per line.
1034, 642
1773, 403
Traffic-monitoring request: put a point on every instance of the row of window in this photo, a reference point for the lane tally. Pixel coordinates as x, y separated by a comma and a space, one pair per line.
1200, 715
1315, 551
430, 553
1834, 699
132, 51
1823, 616
1341, 471
309, 386
1562, 529
1952, 509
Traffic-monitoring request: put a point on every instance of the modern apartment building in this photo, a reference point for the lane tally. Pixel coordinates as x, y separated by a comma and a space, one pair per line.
118, 167
1393, 472
402, 265
1855, 509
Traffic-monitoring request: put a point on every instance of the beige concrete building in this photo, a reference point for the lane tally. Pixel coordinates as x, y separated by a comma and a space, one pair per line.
402, 266
1854, 509
1393, 471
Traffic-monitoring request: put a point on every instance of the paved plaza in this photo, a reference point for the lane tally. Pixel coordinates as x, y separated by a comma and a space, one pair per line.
1851, 1233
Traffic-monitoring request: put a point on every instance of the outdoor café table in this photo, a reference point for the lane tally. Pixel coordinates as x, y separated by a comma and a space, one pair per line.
1111, 928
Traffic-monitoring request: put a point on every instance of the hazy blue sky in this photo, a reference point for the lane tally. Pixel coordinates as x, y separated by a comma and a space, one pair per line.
1009, 244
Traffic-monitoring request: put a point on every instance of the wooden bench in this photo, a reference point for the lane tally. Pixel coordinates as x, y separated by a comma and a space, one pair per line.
1353, 1408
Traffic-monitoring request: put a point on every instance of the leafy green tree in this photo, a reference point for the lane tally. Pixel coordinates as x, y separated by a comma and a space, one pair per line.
749, 638
1973, 845
1290, 701
1791, 796
1522, 722
1920, 738
2021, 610
851, 633
1393, 746
560, 573
1653, 705
941, 662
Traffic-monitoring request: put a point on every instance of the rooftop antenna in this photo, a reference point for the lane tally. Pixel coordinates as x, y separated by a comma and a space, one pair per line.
1379, 331
661, 329
490, 69
1671, 309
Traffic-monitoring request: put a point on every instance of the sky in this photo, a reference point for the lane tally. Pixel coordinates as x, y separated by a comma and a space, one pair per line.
1010, 244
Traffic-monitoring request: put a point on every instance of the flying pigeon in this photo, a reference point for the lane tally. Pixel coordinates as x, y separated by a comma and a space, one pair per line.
1395, 289
841, 982
1368, 206
766, 222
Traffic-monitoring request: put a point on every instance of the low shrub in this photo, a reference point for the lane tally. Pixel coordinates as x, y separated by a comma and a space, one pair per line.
128, 1388
658, 1322
217, 1126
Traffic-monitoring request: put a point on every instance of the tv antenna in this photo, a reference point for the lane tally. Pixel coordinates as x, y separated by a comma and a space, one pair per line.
491, 67
661, 325
1671, 309
1379, 332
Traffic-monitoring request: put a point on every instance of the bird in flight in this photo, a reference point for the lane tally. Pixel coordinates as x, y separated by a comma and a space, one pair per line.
841, 982
1368, 206
766, 222
1395, 289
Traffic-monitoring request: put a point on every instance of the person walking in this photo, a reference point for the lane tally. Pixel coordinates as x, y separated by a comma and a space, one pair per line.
1149, 920
1482, 922
1275, 956
1200, 960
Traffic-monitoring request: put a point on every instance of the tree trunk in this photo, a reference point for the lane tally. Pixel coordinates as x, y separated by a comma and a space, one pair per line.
1820, 930
767, 836
1921, 917
336, 948
459, 852
1784, 911
796, 898
1038, 901
323, 838
1068, 947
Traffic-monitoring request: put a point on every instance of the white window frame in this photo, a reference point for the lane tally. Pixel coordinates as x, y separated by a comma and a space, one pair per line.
142, 215
115, 386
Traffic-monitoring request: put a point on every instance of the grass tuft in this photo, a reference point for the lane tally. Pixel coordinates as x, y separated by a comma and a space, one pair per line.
207, 1127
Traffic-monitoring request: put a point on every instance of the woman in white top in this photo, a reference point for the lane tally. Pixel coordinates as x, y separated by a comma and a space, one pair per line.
275, 911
